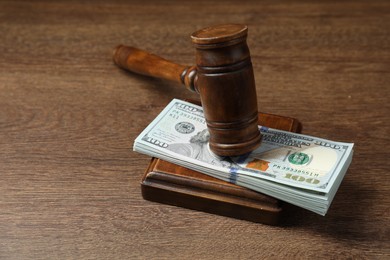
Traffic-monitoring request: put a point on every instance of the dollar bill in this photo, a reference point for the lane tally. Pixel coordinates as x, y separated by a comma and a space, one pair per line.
300, 169
296, 160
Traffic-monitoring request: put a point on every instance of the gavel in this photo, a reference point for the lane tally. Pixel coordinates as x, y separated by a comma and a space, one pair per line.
223, 77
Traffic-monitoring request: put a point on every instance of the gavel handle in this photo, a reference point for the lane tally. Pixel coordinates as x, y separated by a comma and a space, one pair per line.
142, 62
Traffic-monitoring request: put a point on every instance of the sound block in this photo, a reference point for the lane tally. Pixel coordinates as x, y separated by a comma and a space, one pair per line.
171, 184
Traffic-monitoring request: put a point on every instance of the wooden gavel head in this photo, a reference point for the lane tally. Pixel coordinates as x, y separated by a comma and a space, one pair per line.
223, 77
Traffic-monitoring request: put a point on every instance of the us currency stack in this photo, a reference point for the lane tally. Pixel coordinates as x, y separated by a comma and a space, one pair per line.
302, 170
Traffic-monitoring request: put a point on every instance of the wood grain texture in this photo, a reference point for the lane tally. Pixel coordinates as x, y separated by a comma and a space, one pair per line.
69, 185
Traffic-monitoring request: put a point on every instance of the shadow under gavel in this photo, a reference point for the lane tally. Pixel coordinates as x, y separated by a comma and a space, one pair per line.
223, 77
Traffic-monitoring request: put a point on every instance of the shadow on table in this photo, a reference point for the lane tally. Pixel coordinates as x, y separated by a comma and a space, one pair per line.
349, 217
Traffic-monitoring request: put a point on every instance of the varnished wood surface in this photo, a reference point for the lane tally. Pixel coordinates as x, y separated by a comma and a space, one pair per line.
69, 182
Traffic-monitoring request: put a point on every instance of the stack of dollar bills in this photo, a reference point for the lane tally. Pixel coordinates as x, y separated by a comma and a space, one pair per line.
302, 170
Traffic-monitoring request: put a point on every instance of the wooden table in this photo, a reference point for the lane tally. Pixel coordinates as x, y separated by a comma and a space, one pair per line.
70, 183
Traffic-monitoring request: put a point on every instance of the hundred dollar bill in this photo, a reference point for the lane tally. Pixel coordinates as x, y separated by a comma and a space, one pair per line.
289, 166
296, 160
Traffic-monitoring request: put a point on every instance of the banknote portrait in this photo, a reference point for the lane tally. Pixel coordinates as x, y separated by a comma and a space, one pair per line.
198, 148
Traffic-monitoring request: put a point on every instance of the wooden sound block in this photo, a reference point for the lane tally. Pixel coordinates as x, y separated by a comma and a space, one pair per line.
171, 184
